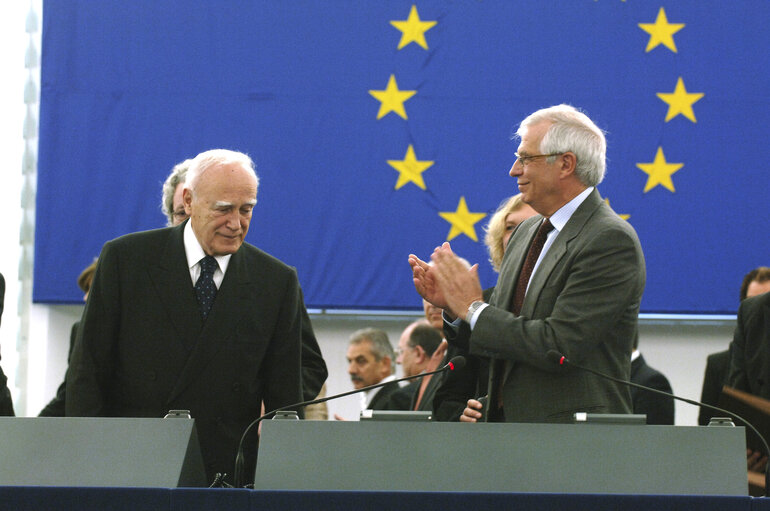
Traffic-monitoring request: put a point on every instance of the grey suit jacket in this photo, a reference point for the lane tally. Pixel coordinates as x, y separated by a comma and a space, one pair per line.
583, 301
143, 348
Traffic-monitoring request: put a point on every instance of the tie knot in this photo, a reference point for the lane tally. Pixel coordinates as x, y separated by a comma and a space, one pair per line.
208, 265
546, 226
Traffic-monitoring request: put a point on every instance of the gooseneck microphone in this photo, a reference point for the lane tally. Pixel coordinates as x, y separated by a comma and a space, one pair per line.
454, 364
559, 359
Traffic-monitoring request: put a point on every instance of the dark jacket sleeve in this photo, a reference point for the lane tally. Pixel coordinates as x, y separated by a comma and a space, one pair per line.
715, 377
659, 409
55, 407
314, 372
6, 403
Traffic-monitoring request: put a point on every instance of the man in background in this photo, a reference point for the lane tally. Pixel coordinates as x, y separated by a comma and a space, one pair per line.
755, 282
171, 200
6, 403
750, 348
659, 409
417, 353
371, 361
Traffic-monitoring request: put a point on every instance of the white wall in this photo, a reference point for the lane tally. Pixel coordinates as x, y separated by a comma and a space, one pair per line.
678, 348
15, 42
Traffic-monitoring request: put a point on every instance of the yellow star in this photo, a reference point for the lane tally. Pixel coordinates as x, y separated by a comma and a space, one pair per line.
680, 101
624, 217
661, 32
391, 99
410, 169
462, 221
413, 29
659, 171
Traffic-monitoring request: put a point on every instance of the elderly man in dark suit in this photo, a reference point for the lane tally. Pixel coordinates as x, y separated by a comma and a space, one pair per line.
191, 317
571, 281
314, 371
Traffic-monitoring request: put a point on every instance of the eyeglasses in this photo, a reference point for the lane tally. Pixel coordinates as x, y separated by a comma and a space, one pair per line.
526, 160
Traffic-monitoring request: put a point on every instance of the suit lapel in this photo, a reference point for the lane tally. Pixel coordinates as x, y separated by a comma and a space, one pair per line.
513, 260
558, 249
220, 323
171, 279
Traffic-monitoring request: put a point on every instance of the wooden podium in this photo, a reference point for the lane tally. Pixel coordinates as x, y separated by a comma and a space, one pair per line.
537, 458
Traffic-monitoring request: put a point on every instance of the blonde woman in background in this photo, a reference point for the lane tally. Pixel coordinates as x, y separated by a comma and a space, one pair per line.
511, 212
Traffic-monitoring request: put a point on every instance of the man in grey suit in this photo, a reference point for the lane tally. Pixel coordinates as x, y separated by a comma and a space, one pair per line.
191, 317
578, 295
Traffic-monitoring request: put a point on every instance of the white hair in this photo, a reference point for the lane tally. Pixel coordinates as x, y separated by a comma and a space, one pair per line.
215, 157
572, 131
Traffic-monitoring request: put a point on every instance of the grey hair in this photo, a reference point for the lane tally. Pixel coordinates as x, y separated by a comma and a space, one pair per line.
381, 346
214, 157
572, 131
177, 176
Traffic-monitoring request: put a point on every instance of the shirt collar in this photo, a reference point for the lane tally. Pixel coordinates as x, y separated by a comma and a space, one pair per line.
563, 214
195, 253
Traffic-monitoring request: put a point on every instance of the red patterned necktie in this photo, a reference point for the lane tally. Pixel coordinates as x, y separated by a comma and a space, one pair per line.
529, 264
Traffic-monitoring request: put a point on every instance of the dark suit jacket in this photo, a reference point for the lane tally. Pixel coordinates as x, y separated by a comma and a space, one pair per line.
750, 349
583, 301
715, 377
458, 386
143, 348
382, 399
429, 394
6, 403
659, 409
403, 398
314, 370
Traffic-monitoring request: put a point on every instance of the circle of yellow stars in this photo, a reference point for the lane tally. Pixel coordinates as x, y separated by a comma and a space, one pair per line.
680, 102
410, 169
462, 220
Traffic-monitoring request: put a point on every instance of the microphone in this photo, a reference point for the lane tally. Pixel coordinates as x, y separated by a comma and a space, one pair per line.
454, 364
559, 359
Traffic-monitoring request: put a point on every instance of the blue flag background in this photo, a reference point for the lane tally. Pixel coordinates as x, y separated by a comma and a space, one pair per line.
131, 88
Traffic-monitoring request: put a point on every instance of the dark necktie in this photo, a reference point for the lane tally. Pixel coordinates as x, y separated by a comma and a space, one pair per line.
498, 368
205, 289
529, 264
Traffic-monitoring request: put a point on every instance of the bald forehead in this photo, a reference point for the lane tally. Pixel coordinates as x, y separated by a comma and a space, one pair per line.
217, 162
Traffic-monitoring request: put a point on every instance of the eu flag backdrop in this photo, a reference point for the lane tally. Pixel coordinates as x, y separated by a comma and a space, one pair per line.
384, 128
